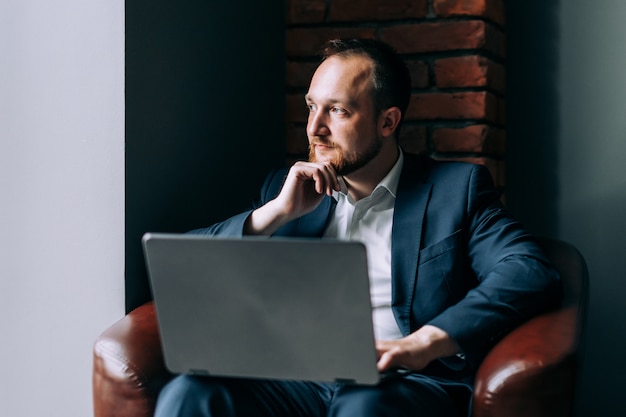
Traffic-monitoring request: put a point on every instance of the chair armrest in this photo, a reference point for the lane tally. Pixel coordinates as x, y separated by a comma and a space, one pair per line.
128, 368
531, 371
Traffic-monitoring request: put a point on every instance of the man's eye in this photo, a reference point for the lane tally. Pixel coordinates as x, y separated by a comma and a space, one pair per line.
311, 107
338, 110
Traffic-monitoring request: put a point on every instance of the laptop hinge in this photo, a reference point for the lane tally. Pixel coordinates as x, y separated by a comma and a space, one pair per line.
199, 372
345, 381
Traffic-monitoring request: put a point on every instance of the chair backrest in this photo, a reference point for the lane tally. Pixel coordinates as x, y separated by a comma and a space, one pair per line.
532, 371
574, 276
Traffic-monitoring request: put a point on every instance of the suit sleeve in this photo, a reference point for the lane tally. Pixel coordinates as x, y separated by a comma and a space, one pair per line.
515, 279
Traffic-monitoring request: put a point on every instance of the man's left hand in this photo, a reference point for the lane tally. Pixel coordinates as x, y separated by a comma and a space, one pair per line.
415, 351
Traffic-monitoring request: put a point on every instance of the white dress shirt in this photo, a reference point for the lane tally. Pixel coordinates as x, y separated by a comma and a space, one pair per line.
369, 220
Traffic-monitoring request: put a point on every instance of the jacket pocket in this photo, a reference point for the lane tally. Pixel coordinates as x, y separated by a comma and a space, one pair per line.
440, 248
442, 278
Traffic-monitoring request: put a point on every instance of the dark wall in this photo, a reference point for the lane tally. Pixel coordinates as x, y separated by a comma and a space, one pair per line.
566, 174
204, 115
532, 118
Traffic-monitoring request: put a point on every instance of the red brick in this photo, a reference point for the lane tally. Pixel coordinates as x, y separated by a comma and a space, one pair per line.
305, 11
464, 105
470, 71
439, 27
444, 36
307, 42
299, 74
377, 10
413, 139
465, 71
470, 139
419, 73
489, 9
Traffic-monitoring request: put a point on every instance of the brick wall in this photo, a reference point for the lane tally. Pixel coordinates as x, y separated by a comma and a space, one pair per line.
455, 50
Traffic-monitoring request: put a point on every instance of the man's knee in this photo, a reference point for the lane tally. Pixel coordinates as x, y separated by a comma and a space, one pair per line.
354, 401
192, 396
392, 400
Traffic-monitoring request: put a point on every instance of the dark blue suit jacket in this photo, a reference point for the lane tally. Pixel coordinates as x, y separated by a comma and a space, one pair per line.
459, 261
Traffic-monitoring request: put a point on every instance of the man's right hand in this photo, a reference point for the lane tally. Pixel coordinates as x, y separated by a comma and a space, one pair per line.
303, 190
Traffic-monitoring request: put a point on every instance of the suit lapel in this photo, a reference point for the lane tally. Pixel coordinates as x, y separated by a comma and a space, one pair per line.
411, 201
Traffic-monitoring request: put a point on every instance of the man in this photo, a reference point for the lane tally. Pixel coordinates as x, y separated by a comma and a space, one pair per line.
451, 272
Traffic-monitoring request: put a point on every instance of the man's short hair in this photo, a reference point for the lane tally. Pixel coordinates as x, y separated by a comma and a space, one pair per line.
391, 78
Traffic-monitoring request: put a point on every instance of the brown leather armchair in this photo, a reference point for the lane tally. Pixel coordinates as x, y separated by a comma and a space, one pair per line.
530, 373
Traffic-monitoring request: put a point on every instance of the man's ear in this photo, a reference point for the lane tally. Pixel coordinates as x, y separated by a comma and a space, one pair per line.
389, 121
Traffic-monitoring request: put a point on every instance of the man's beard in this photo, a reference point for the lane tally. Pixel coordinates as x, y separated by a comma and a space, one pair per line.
346, 164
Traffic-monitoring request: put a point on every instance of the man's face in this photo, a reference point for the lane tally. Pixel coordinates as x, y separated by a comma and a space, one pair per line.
342, 127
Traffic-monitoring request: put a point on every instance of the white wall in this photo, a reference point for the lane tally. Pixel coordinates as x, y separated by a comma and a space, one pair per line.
62, 198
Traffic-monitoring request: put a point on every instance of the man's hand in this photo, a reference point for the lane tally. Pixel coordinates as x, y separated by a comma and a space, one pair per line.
305, 186
303, 190
416, 350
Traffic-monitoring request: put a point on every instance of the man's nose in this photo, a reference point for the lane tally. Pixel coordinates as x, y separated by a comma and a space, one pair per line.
317, 125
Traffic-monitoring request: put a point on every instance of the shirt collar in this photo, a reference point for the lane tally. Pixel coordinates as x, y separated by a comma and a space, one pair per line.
389, 182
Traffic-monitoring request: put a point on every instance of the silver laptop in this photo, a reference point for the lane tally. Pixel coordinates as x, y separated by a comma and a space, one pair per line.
263, 308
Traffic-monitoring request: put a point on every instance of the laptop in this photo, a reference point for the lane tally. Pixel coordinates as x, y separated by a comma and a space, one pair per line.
253, 307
